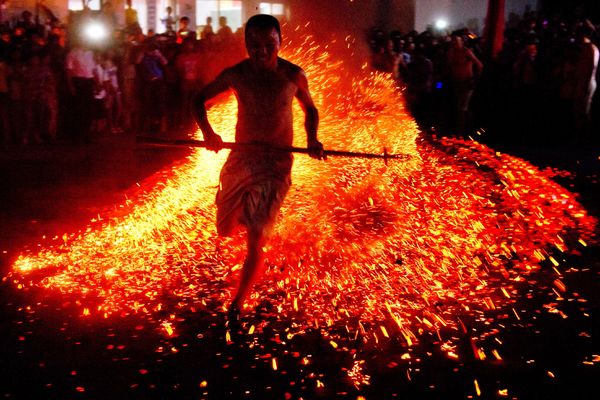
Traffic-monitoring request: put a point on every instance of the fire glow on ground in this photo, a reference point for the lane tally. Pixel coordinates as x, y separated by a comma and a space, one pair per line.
369, 260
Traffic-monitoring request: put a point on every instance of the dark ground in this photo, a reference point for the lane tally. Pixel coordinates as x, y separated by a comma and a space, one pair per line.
49, 351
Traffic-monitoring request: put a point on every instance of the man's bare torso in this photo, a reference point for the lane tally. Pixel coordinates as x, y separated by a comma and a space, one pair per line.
461, 64
265, 100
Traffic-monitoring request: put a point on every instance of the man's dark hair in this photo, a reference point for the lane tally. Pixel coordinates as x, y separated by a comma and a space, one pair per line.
585, 31
263, 21
458, 33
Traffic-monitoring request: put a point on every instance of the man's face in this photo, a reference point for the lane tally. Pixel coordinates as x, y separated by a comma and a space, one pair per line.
263, 46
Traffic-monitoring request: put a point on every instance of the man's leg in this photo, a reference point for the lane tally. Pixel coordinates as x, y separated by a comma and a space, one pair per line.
253, 266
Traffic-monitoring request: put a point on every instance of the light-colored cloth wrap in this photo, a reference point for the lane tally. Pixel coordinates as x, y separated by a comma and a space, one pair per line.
252, 188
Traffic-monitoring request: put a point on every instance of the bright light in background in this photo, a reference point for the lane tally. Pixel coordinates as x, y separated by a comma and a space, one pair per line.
441, 24
95, 31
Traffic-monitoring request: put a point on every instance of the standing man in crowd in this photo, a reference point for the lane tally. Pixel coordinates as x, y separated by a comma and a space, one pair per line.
151, 65
169, 20
463, 67
80, 65
586, 66
254, 181
207, 31
224, 33
184, 31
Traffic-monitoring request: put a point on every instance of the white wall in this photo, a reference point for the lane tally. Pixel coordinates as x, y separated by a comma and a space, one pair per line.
462, 13
458, 13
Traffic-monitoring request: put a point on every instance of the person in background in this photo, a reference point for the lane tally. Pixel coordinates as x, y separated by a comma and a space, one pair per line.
463, 67
16, 93
224, 33
207, 30
57, 53
108, 16
169, 20
419, 83
585, 69
49, 98
114, 104
184, 30
39, 84
99, 119
189, 65
526, 76
151, 63
132, 25
4, 101
131, 100
387, 60
80, 65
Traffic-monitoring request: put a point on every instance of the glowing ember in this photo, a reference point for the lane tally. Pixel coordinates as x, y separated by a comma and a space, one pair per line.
356, 374
382, 251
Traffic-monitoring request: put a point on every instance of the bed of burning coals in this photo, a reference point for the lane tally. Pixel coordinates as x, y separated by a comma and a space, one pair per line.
453, 272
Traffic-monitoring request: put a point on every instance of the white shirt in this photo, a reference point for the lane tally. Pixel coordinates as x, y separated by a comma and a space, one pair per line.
80, 63
111, 74
100, 78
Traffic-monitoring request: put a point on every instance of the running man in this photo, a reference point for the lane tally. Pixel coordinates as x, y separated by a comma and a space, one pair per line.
253, 183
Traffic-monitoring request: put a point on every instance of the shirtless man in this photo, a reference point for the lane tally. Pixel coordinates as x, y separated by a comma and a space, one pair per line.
585, 68
253, 183
462, 65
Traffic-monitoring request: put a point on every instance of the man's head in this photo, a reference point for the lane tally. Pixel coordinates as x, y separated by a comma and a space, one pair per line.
531, 44
184, 22
26, 15
263, 39
265, 22
584, 33
458, 40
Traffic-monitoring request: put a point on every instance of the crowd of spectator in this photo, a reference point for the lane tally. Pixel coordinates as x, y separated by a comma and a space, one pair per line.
56, 84
58, 81
540, 86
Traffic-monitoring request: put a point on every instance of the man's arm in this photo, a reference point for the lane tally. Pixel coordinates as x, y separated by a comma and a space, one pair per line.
311, 116
69, 73
161, 58
478, 64
587, 67
216, 87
